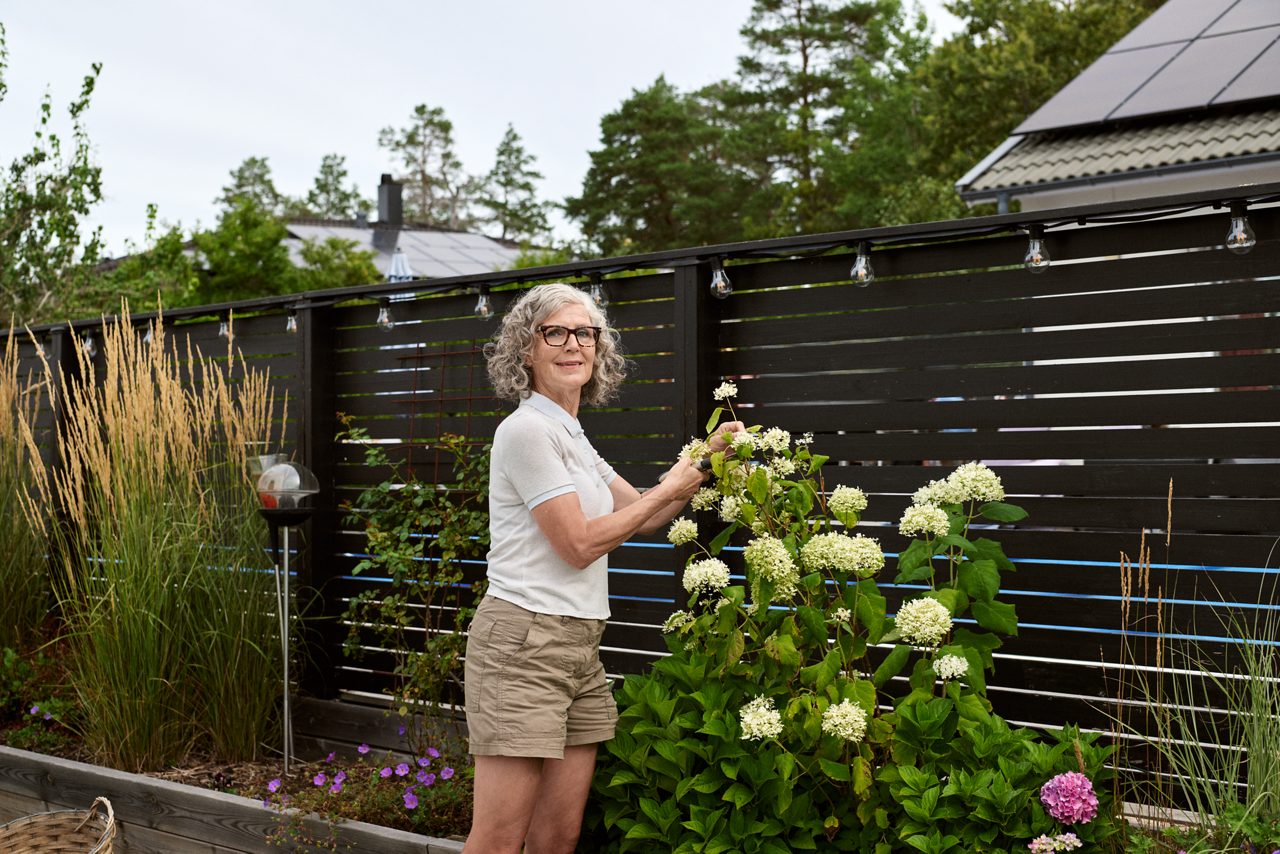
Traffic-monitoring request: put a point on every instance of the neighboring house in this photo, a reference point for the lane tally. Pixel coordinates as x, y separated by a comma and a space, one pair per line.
429, 252
1189, 100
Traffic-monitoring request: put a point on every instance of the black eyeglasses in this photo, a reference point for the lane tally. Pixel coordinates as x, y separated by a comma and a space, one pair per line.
558, 336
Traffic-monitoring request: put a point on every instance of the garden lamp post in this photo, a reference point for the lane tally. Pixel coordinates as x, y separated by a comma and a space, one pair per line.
283, 492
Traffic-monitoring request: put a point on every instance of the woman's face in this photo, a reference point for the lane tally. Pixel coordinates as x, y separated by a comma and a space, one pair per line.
561, 372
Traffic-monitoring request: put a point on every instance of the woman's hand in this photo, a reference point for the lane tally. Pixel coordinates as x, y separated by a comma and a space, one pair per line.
723, 436
682, 480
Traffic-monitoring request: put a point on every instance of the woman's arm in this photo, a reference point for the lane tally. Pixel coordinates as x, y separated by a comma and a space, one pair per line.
580, 541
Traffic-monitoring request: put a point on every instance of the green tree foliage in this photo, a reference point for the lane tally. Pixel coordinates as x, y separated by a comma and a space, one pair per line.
334, 263
330, 196
510, 194
439, 192
1011, 57
45, 195
659, 179
251, 181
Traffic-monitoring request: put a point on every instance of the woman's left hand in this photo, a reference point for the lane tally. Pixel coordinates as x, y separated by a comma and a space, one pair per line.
723, 436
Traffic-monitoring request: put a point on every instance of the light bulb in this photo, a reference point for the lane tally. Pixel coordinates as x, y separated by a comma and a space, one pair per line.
598, 294
721, 287
224, 330
146, 338
385, 323
1037, 258
484, 305
1240, 236
861, 272
90, 346
291, 323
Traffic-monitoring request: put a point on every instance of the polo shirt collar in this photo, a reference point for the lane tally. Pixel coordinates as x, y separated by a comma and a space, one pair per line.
548, 407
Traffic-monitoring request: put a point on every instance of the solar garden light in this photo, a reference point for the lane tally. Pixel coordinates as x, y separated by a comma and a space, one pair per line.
284, 490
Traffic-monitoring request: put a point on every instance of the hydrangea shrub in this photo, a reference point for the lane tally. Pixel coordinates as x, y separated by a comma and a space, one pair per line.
797, 710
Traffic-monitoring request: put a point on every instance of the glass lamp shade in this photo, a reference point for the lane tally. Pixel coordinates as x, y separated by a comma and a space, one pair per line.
285, 486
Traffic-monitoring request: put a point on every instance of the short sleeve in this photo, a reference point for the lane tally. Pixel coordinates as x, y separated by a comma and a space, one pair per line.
532, 461
606, 472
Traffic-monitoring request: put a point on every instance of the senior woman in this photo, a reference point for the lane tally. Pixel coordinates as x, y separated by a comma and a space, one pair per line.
536, 696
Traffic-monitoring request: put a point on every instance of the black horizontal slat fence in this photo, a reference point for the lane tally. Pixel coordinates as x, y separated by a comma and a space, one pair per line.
1133, 386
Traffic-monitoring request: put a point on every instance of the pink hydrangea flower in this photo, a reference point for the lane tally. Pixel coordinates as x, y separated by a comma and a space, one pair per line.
1069, 798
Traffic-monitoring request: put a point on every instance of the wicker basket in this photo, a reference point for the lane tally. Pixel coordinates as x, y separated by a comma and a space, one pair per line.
88, 831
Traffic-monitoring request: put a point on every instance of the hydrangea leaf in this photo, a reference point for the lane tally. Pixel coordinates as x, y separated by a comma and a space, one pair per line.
998, 511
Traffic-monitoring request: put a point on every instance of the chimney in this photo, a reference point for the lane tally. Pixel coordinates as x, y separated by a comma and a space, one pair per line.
390, 202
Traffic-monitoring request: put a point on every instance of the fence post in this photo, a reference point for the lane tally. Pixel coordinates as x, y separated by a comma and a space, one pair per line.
697, 368
317, 427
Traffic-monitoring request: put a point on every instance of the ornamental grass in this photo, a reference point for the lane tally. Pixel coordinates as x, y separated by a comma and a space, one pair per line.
159, 568
23, 573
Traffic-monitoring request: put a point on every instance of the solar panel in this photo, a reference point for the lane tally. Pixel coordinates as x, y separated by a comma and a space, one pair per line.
1195, 76
1188, 55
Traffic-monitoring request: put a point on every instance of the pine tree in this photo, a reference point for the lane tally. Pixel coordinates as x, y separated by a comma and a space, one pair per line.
510, 194
330, 197
251, 181
438, 191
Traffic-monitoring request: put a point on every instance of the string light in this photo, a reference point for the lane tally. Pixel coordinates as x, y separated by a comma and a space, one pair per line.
598, 294
224, 328
291, 322
861, 272
1240, 236
721, 287
385, 323
484, 305
146, 337
1037, 258
90, 346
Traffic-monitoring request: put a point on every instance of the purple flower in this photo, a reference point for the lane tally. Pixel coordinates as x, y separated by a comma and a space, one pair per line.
424, 762
384, 773
336, 788
402, 730
410, 800
433, 753
446, 773
329, 758
429, 780
274, 786
35, 710
362, 749
48, 717
402, 769
266, 803
340, 777
319, 780
1069, 798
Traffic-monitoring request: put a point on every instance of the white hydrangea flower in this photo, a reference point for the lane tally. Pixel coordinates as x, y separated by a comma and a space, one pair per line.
975, 482
781, 466
725, 391
842, 552
842, 615
682, 531
923, 622
806, 439
724, 600
705, 498
847, 499
709, 575
743, 439
927, 519
845, 720
936, 492
774, 439
769, 558
950, 667
760, 720
695, 449
676, 622
751, 609
730, 507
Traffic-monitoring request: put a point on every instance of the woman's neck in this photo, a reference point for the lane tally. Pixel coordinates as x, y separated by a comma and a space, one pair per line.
567, 400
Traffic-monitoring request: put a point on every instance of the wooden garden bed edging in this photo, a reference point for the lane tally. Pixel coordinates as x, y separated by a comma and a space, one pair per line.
162, 817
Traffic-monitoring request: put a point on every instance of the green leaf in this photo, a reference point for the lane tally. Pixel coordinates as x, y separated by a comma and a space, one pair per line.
722, 539
892, 665
988, 549
813, 623
835, 770
998, 511
758, 484
714, 420
980, 579
733, 652
739, 795
996, 616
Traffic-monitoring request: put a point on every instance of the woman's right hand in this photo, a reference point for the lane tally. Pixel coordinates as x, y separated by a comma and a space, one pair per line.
683, 479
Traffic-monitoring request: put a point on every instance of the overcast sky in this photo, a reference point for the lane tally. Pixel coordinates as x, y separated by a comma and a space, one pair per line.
188, 90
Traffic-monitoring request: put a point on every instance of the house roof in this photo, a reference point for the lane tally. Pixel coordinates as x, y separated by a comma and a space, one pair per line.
1058, 156
431, 253
1196, 86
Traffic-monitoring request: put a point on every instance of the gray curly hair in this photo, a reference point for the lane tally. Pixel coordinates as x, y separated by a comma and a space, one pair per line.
514, 341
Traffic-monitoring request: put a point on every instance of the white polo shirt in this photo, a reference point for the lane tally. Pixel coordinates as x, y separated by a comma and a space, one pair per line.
540, 452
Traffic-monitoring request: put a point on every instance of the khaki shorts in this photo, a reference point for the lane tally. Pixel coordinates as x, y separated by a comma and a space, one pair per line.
534, 683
